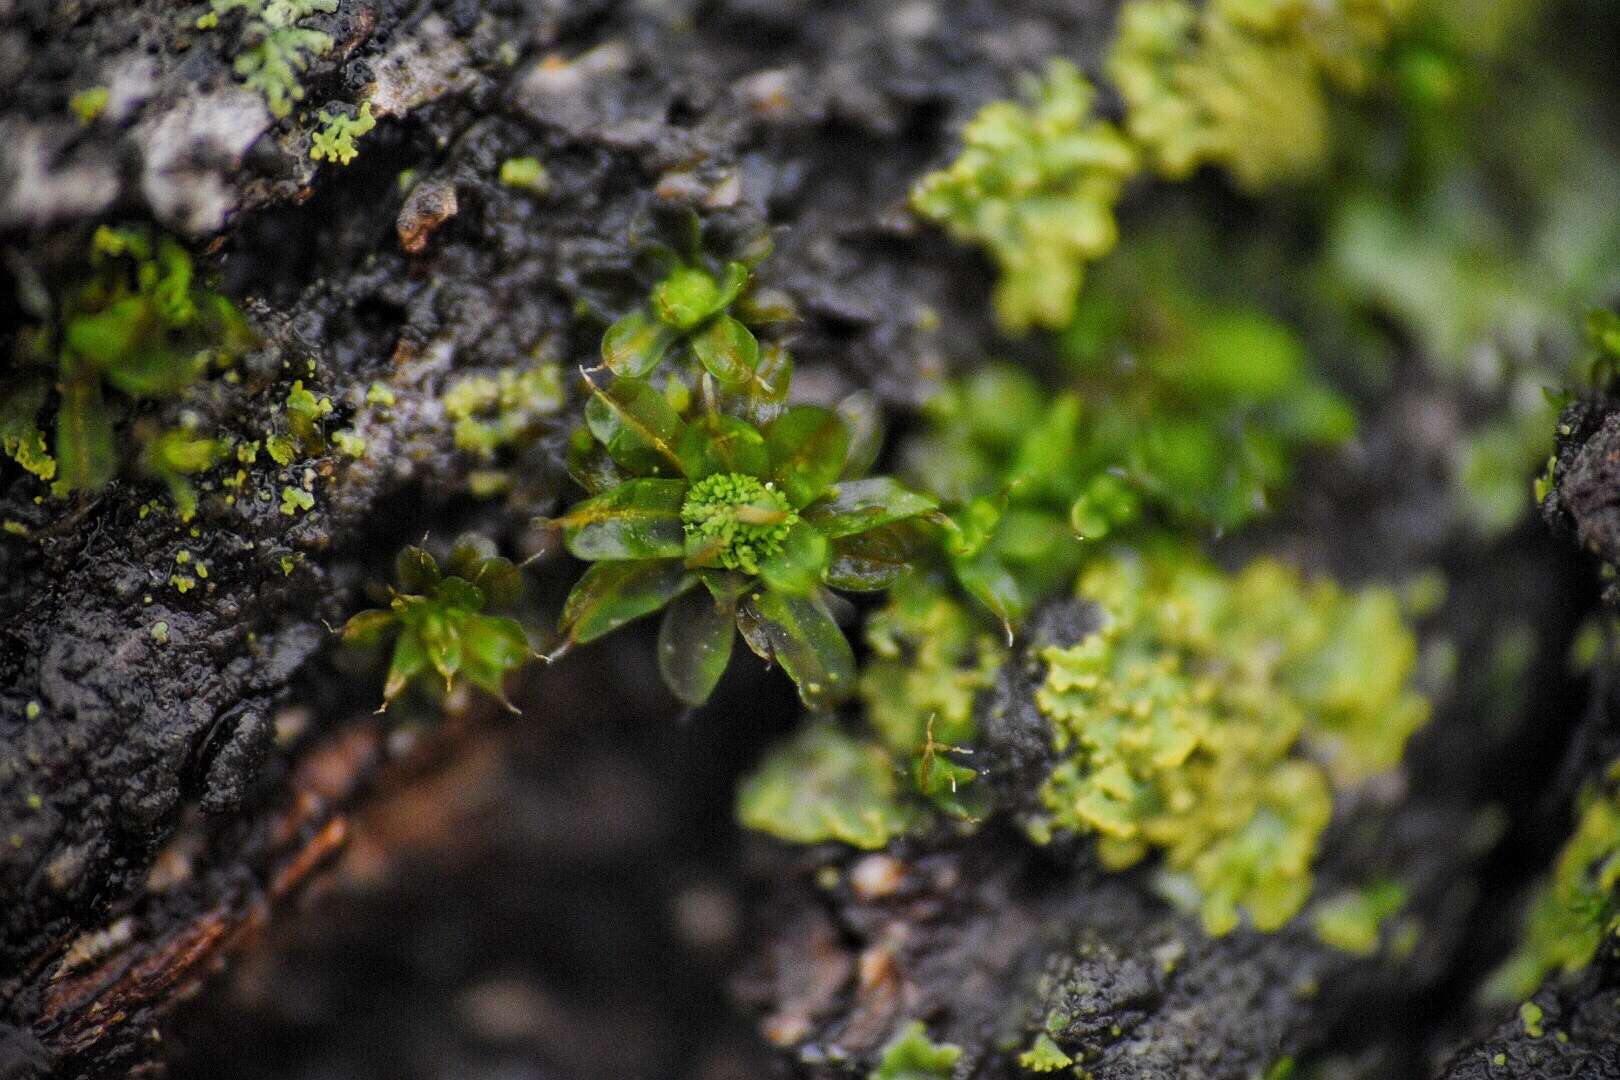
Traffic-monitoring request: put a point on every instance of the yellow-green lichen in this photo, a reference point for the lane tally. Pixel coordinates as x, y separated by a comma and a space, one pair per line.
295, 499
1241, 83
490, 413
20, 436
335, 140
1177, 723
1044, 1056
281, 448
912, 1055
1351, 921
274, 49
349, 443
825, 785
1036, 185
305, 412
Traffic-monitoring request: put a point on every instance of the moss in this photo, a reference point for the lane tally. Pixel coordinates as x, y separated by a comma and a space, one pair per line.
1575, 911
1180, 413
1200, 399
176, 455
137, 326
1177, 723
335, 140
1035, 185
696, 318
688, 490
1485, 284
745, 521
912, 1055
930, 660
824, 785
440, 620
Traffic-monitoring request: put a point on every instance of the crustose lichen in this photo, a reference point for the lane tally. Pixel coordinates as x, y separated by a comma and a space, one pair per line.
1177, 724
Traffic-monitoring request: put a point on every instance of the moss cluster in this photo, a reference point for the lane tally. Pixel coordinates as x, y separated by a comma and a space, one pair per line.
1187, 418
137, 327
714, 501
1178, 723
930, 659
698, 318
1576, 911
441, 622
744, 520
1214, 717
